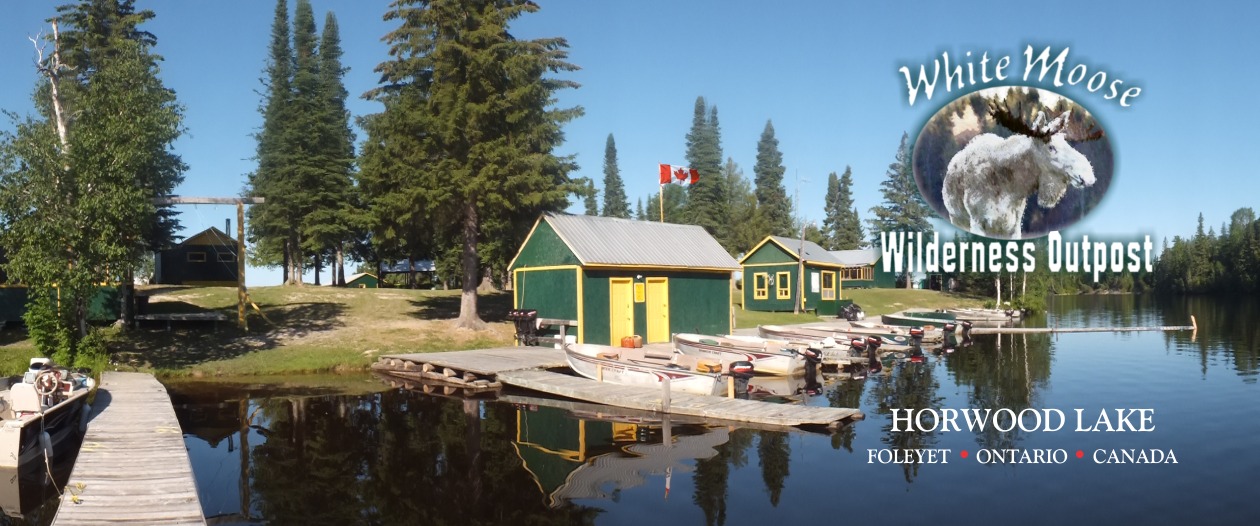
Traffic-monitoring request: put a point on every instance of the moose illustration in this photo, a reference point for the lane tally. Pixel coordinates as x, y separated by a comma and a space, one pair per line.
988, 182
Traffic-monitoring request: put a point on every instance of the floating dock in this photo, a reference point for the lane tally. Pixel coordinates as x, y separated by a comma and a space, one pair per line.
525, 367
133, 467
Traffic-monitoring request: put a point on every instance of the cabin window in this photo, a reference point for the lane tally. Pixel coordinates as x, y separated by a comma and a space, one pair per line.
227, 257
783, 285
761, 286
828, 285
196, 257
866, 273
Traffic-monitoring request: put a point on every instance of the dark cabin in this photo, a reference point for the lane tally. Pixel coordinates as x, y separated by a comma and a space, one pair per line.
206, 259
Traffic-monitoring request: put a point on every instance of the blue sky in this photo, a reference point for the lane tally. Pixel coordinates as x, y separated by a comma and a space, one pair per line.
824, 72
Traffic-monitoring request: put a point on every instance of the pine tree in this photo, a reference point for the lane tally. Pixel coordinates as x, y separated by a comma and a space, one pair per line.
639, 214
590, 196
842, 229
268, 222
77, 181
772, 199
483, 101
748, 228
903, 209
615, 202
337, 217
706, 198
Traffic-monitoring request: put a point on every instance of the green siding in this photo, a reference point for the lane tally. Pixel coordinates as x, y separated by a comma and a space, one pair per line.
366, 281
102, 306
553, 293
813, 300
544, 249
698, 302
769, 253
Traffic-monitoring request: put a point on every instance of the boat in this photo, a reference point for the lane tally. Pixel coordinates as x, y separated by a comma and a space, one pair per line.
918, 318
985, 315
767, 356
831, 336
43, 412
649, 368
929, 336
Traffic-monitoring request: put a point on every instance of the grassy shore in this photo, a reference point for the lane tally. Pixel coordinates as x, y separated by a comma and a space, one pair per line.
322, 329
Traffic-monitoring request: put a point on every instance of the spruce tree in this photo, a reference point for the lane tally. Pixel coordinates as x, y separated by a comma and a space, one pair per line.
772, 199
268, 222
482, 100
590, 196
615, 202
639, 214
903, 209
706, 199
842, 229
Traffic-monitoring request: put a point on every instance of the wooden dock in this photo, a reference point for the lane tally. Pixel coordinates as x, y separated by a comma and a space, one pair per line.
133, 467
525, 367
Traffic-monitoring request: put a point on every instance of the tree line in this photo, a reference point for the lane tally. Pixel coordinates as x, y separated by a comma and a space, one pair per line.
1208, 262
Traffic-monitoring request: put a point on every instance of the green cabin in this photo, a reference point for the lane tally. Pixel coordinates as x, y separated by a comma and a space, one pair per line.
363, 280
618, 277
772, 283
206, 259
863, 270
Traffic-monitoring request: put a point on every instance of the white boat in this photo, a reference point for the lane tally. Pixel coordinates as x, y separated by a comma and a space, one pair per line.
841, 337
767, 356
870, 328
648, 368
42, 412
985, 315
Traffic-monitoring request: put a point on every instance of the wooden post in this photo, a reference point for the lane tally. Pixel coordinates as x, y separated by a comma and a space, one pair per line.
665, 395
599, 372
240, 266
730, 387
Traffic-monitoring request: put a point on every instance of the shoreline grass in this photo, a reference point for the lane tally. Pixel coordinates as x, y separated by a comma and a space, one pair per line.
324, 329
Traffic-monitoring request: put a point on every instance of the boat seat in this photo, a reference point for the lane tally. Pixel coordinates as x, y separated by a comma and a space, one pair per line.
609, 355
24, 398
657, 355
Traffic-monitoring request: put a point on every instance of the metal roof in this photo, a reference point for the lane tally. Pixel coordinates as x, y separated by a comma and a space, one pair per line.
813, 252
866, 256
624, 242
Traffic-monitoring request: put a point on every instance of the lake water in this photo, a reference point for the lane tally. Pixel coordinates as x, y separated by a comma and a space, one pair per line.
308, 455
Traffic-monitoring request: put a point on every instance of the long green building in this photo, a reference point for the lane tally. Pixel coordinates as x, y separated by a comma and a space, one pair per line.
618, 277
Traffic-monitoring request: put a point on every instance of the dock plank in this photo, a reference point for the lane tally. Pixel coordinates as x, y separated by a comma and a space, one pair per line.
644, 398
133, 467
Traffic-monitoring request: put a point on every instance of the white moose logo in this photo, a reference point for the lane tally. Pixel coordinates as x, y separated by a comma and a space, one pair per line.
988, 183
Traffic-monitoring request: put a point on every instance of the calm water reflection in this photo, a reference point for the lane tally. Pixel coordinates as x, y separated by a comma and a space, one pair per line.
315, 456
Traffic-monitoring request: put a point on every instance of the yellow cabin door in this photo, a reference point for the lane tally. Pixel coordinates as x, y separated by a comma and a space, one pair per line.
620, 309
657, 310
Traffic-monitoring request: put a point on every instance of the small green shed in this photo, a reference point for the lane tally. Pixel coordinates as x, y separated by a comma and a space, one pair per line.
771, 280
862, 269
362, 280
618, 277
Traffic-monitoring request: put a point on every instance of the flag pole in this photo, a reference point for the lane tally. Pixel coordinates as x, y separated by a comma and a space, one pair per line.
662, 199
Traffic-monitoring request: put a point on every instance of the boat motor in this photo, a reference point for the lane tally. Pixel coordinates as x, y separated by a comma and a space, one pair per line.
852, 312
874, 342
916, 345
812, 357
872, 360
741, 371
966, 333
858, 346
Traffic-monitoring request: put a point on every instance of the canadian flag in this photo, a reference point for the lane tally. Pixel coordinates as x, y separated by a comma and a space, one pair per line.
680, 175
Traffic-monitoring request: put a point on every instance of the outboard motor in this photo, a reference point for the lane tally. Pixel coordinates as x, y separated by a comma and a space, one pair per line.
916, 345
966, 333
853, 312
741, 371
874, 342
858, 346
872, 359
813, 357
526, 323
